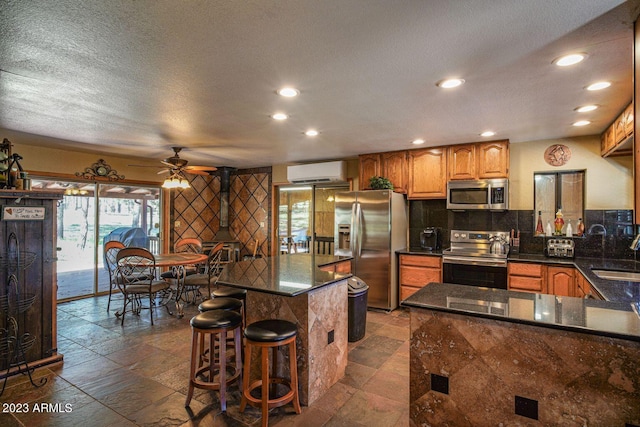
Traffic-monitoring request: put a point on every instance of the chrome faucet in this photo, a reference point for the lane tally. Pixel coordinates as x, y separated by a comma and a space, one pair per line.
602, 231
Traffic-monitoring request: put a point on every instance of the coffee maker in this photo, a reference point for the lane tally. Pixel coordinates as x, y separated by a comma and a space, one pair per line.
430, 239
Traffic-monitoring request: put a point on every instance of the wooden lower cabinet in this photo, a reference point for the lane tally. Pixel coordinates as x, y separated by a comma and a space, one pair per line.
583, 288
416, 271
550, 279
338, 267
560, 281
528, 277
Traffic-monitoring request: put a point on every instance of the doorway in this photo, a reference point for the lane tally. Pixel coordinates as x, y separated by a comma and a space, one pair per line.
306, 218
90, 214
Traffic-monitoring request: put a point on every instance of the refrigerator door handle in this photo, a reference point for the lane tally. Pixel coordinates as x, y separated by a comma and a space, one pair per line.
359, 228
353, 233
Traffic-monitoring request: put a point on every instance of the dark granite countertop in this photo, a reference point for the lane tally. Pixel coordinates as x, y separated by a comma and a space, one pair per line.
287, 275
605, 318
419, 251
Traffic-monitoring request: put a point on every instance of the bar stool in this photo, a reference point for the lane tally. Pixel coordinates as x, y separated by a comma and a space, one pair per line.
229, 292
221, 303
265, 335
215, 324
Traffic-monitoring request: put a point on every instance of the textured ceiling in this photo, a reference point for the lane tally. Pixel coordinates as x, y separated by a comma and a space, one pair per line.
139, 76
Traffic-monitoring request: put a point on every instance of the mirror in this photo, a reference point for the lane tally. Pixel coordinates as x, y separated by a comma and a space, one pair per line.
559, 190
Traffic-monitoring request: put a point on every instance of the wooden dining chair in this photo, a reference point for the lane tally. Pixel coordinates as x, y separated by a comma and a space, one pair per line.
136, 278
196, 282
110, 250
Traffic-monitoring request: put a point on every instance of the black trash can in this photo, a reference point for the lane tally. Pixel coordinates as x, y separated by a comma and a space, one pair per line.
358, 291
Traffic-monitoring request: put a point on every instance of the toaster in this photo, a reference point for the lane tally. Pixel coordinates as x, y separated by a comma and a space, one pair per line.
561, 248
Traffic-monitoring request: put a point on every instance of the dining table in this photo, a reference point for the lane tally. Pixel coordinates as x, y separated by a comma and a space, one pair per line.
178, 261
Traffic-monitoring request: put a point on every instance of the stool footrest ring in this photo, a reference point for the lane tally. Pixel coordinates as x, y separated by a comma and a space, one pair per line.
272, 403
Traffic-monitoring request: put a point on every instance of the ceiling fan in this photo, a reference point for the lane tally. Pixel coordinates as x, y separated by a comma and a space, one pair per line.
176, 165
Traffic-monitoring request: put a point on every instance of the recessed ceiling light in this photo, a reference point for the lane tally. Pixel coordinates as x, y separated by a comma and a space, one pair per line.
279, 116
418, 141
487, 133
311, 132
450, 83
598, 86
288, 92
582, 123
565, 61
586, 108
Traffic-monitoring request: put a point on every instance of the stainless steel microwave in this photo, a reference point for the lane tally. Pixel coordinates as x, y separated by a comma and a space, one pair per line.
484, 194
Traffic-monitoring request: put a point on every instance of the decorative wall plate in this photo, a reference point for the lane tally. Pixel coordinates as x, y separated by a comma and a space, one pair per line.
557, 155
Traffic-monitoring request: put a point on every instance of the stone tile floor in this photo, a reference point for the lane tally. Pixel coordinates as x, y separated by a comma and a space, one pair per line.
137, 374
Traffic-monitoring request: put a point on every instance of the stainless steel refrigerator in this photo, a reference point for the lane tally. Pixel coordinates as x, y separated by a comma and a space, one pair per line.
370, 226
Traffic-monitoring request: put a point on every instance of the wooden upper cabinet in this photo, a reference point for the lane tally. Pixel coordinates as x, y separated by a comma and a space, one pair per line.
628, 118
427, 173
620, 126
370, 165
462, 161
493, 159
479, 161
615, 140
394, 167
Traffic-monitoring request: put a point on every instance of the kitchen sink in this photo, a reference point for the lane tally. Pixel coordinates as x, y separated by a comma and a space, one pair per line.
626, 276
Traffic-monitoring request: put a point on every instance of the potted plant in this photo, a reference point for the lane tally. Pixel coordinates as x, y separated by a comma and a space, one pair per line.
380, 183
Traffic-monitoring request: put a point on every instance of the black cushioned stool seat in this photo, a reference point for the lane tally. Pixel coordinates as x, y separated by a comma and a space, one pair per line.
213, 374
265, 335
221, 303
229, 292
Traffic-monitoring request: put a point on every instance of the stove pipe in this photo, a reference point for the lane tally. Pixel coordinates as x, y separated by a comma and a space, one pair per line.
223, 234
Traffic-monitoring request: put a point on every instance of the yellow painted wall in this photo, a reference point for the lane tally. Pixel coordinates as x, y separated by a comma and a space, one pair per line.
39, 157
609, 181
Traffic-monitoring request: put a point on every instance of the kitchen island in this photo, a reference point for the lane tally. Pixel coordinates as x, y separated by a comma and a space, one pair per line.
484, 356
304, 289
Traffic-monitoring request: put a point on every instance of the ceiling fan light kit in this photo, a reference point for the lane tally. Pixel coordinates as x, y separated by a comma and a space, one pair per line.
177, 167
176, 181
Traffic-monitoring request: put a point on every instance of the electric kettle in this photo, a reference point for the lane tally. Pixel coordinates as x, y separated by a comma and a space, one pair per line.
498, 245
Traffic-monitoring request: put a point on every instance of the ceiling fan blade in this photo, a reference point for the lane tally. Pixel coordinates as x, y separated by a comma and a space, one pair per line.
145, 166
163, 171
201, 168
198, 172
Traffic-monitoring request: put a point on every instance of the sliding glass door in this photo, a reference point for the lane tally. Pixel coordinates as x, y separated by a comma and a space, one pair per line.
306, 218
91, 214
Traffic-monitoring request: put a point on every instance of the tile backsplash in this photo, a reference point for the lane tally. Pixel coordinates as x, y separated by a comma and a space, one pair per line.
614, 244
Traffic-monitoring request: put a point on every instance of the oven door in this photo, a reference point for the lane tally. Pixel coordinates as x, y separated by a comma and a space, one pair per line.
475, 271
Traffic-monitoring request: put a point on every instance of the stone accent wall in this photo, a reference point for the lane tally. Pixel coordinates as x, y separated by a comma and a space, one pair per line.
577, 379
198, 209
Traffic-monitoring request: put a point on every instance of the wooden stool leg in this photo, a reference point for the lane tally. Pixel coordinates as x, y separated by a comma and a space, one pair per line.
237, 335
195, 356
222, 363
245, 379
293, 367
265, 386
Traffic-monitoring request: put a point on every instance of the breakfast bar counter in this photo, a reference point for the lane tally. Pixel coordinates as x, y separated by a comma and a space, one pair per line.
303, 289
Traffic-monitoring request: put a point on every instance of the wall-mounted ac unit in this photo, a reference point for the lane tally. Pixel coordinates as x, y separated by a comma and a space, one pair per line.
317, 172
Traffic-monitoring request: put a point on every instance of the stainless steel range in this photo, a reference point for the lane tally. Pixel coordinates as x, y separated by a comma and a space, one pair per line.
476, 258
